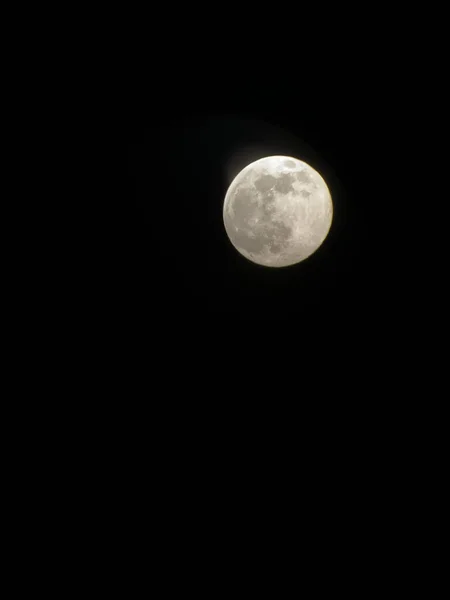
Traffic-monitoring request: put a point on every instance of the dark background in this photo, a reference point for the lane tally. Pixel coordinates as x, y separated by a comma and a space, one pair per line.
182, 162
334, 352
354, 110
317, 376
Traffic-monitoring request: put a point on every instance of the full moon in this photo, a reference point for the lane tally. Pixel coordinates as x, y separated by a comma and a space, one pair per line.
277, 211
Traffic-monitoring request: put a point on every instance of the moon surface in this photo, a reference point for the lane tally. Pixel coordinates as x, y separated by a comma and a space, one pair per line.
277, 211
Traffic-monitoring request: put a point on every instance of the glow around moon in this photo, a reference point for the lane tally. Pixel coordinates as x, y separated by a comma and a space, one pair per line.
277, 211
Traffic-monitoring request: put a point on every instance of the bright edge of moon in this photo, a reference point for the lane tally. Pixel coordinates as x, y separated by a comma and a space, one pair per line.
277, 211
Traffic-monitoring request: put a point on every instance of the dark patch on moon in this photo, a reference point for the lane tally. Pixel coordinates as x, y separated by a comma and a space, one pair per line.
290, 164
303, 177
244, 206
268, 233
265, 183
268, 205
305, 193
284, 183
280, 231
250, 244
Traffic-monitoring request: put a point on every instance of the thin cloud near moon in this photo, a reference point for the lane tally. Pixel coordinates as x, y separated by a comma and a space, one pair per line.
277, 211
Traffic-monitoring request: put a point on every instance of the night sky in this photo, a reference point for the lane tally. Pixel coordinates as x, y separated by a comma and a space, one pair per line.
182, 165
351, 333
358, 290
